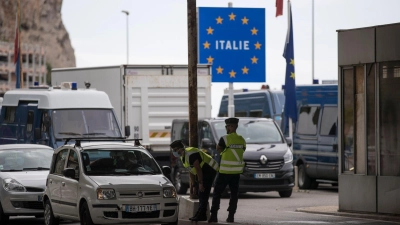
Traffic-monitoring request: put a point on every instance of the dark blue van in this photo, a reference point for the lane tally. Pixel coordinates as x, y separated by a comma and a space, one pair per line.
315, 142
264, 103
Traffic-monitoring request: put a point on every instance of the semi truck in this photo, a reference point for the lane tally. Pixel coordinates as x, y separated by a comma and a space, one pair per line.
145, 97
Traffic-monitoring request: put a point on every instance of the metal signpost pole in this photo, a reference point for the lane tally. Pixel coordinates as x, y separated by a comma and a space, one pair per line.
127, 36
231, 103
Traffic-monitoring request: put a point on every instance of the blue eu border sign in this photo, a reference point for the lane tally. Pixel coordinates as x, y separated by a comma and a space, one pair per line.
233, 41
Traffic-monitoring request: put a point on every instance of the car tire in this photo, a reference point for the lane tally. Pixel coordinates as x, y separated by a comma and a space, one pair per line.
86, 219
304, 181
3, 218
285, 194
49, 218
180, 187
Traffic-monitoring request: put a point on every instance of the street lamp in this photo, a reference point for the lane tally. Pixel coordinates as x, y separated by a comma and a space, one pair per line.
127, 35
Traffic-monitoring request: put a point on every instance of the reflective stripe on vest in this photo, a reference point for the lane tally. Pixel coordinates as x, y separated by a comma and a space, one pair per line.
232, 156
205, 158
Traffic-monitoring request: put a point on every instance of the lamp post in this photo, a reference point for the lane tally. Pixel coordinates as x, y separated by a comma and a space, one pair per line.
127, 36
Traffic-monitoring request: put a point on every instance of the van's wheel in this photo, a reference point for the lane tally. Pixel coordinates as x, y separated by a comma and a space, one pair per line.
181, 188
86, 219
3, 218
49, 218
285, 194
305, 182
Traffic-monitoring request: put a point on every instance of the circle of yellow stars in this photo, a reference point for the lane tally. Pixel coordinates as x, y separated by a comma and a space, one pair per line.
257, 46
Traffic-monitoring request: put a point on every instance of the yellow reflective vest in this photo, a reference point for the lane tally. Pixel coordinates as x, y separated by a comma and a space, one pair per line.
205, 158
232, 156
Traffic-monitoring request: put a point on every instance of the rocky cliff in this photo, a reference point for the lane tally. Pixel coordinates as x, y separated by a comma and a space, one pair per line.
41, 24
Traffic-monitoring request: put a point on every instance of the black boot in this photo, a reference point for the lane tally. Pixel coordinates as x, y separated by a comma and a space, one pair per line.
200, 217
213, 218
230, 218
195, 215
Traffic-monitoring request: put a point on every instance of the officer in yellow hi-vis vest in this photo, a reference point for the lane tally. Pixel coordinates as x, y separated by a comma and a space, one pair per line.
202, 165
231, 148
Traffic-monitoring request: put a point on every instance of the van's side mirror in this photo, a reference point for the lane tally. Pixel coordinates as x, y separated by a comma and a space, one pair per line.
206, 143
38, 134
289, 141
166, 170
127, 131
69, 172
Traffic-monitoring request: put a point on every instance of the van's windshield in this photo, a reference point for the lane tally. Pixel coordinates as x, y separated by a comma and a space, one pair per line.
84, 123
253, 131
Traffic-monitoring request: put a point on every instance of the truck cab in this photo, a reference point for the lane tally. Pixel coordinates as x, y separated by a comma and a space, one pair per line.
50, 115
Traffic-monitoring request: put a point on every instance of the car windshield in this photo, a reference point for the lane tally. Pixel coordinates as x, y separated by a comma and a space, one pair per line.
253, 131
85, 123
118, 162
25, 159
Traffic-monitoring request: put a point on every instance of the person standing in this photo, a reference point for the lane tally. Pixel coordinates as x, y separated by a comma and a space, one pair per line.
231, 147
202, 165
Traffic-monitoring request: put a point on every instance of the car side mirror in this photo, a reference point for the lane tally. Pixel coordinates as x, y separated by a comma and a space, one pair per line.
206, 143
38, 134
127, 131
166, 170
69, 172
289, 141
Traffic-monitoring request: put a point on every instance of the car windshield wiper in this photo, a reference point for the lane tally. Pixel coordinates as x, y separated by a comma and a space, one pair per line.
37, 168
146, 172
11, 170
69, 133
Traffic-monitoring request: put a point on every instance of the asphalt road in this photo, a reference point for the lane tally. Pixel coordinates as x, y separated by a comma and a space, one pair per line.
269, 208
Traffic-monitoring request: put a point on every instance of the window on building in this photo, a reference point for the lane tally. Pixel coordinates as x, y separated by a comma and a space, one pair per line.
308, 120
371, 149
348, 120
329, 121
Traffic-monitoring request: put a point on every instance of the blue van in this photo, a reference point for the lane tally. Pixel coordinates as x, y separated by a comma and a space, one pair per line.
315, 141
264, 103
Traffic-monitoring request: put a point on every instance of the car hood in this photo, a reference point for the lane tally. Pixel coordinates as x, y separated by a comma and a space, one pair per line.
271, 151
134, 180
28, 178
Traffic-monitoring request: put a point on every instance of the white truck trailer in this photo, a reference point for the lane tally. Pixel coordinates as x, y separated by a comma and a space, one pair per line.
145, 97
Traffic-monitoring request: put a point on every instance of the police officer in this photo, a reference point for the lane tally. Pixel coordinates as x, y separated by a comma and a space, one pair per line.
231, 147
202, 165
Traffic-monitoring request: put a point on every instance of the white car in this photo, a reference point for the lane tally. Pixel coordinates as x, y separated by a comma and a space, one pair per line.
23, 172
108, 183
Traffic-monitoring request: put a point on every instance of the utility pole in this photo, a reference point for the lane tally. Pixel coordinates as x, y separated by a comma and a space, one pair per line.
192, 71
127, 35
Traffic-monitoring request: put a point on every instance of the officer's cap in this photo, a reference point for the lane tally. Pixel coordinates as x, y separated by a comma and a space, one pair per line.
177, 144
232, 121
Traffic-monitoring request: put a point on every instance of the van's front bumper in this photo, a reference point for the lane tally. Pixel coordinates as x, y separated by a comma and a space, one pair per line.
283, 180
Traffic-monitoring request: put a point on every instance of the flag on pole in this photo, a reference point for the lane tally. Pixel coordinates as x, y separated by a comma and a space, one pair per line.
290, 108
279, 8
17, 50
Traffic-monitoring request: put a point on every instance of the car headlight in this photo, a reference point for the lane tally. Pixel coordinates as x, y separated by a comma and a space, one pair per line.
12, 185
169, 192
288, 157
105, 194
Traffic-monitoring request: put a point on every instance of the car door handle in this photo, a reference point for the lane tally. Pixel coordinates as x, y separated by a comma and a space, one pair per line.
63, 183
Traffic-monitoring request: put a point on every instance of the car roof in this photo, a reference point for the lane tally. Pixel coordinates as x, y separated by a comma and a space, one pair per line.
24, 146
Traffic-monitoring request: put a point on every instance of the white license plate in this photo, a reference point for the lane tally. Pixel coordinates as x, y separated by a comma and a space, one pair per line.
140, 208
264, 175
40, 198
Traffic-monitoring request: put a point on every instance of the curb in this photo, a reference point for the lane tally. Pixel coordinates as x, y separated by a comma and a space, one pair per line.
334, 211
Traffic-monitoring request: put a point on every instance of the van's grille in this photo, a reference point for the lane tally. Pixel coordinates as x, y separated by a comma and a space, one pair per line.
271, 165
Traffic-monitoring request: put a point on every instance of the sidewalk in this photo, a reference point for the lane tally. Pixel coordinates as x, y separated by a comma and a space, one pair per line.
333, 211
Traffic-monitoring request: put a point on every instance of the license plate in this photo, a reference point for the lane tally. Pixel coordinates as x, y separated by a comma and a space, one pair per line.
140, 208
264, 175
40, 198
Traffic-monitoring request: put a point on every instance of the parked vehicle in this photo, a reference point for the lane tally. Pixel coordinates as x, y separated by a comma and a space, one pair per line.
146, 97
264, 103
315, 142
48, 116
268, 157
23, 172
108, 183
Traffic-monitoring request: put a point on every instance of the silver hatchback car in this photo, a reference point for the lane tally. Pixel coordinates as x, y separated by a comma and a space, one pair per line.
23, 172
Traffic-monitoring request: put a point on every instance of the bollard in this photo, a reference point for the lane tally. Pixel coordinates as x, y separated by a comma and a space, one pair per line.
296, 179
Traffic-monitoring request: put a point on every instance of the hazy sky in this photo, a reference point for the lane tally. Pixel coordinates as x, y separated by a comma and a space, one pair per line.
158, 33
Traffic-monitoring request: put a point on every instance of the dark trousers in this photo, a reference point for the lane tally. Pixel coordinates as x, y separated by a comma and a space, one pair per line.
208, 180
220, 184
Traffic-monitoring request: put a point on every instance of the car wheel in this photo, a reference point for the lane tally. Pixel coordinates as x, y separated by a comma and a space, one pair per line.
86, 219
305, 182
285, 194
180, 187
49, 218
3, 218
